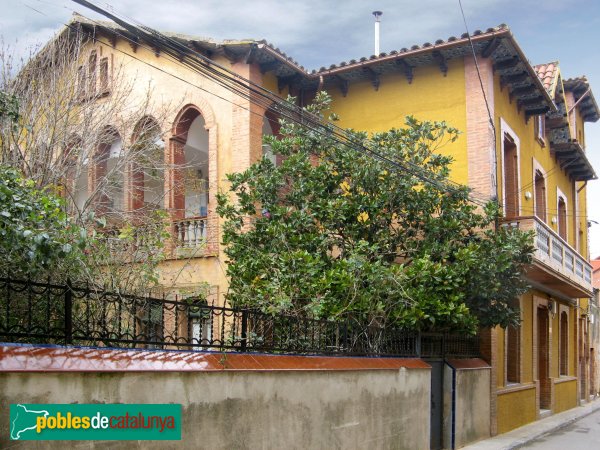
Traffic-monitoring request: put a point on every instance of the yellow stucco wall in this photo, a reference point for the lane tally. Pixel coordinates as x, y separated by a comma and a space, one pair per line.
531, 150
565, 394
516, 409
430, 96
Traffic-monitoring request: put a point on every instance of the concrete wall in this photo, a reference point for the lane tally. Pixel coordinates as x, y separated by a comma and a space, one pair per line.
237, 409
467, 386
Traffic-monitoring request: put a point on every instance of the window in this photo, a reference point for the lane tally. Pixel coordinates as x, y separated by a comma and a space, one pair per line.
103, 75
92, 73
513, 357
511, 177
540, 195
564, 343
81, 82
513, 350
562, 217
540, 129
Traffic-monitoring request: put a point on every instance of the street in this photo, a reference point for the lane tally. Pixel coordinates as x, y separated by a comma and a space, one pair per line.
578, 435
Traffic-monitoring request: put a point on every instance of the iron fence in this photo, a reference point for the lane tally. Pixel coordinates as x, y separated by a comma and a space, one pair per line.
62, 314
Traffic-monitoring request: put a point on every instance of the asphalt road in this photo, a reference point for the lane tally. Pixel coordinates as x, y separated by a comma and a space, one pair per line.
582, 434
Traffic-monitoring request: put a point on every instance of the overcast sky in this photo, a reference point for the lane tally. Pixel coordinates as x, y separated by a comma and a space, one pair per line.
318, 33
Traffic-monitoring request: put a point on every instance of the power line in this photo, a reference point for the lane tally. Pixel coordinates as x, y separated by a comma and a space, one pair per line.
245, 88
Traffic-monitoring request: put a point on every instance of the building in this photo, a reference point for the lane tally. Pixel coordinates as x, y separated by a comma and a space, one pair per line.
523, 143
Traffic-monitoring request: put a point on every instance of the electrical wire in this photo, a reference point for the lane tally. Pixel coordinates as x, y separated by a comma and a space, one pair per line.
245, 88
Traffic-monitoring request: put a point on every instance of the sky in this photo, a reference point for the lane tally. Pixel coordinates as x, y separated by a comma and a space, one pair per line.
319, 33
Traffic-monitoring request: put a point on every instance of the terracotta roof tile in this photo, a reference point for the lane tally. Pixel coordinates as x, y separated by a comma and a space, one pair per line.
595, 264
425, 46
548, 74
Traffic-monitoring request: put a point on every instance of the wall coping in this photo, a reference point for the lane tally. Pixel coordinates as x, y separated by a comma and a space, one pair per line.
36, 358
468, 363
564, 379
516, 387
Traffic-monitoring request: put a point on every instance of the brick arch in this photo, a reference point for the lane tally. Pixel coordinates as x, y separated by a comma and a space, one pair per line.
145, 123
136, 174
68, 167
188, 113
273, 119
104, 139
175, 178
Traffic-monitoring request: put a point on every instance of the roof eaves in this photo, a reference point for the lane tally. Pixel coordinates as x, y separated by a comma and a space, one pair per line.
452, 41
581, 85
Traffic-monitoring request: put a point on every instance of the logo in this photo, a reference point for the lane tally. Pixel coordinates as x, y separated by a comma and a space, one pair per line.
95, 422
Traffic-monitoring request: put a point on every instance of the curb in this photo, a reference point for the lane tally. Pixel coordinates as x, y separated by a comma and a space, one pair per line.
594, 406
520, 437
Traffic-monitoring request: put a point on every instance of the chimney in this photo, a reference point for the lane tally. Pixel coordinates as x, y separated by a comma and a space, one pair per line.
377, 15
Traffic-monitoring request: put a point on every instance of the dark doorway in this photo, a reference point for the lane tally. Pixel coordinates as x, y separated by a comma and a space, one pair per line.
437, 403
542, 357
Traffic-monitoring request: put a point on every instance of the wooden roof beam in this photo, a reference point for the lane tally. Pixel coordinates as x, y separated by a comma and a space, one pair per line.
506, 63
513, 79
343, 84
267, 67
556, 122
375, 81
440, 59
531, 101
134, 44
537, 111
491, 47
291, 82
406, 68
524, 90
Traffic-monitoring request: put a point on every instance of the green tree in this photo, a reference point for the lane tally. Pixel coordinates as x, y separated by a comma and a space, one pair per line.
352, 236
37, 238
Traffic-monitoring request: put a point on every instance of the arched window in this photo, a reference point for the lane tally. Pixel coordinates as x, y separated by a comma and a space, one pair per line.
562, 218
147, 156
191, 160
511, 177
270, 128
190, 178
196, 169
266, 148
564, 343
92, 73
109, 173
540, 195
75, 165
513, 349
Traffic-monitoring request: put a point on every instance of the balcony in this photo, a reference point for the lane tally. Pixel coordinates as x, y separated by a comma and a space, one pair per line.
556, 265
190, 235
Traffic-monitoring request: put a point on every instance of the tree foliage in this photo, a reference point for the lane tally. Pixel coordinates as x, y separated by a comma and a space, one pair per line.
36, 236
334, 232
